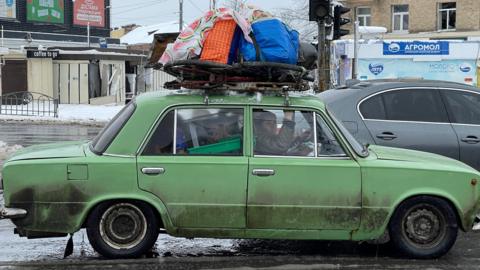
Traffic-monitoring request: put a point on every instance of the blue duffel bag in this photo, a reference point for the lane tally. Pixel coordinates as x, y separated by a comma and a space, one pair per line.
273, 42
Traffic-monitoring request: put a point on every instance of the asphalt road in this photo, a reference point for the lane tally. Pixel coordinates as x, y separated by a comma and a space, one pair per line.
180, 253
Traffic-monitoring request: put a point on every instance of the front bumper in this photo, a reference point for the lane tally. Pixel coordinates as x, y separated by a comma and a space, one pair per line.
9, 213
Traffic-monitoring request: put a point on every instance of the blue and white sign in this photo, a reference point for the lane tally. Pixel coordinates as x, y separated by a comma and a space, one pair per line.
416, 48
375, 68
461, 71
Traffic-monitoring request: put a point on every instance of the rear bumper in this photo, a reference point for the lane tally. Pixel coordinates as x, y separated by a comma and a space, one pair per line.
9, 213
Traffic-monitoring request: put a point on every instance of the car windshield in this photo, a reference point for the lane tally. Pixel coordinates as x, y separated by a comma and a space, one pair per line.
357, 147
101, 142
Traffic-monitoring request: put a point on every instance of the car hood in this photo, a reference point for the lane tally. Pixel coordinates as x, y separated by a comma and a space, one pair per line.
400, 154
52, 150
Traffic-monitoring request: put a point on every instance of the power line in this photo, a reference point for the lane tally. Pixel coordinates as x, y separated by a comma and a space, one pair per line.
194, 5
138, 7
132, 5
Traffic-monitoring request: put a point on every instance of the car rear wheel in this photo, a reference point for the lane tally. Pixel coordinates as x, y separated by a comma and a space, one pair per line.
424, 227
122, 229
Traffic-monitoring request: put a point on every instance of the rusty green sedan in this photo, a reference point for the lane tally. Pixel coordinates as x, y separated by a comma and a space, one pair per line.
237, 166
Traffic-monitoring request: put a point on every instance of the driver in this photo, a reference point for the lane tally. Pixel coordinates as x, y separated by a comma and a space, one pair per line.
269, 140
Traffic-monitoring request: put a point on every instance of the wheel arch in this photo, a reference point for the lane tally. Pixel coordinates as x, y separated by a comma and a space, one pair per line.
440, 195
157, 206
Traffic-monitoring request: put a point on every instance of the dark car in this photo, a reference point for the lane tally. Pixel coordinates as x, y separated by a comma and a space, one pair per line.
433, 116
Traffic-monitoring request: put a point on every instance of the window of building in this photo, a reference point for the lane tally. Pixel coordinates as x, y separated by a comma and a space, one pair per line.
447, 16
400, 18
364, 16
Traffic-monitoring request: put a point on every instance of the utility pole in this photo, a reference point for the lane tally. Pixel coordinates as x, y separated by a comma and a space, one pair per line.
88, 34
321, 65
181, 15
355, 49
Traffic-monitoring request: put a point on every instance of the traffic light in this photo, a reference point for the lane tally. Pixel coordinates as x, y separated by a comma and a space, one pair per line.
319, 9
338, 22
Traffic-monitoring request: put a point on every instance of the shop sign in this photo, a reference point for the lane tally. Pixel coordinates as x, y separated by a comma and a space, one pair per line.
48, 11
416, 48
43, 54
89, 12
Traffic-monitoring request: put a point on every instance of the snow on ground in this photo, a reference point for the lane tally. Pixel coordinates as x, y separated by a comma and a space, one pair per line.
72, 113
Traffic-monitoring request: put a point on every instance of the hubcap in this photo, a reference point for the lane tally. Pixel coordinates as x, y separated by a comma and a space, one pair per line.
424, 227
123, 226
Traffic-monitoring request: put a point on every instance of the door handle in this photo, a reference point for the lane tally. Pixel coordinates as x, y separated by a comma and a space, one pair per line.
388, 136
471, 140
153, 171
263, 172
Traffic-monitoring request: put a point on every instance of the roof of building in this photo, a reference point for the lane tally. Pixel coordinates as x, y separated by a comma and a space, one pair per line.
145, 34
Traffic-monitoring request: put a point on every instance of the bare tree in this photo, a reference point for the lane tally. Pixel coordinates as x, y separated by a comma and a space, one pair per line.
297, 18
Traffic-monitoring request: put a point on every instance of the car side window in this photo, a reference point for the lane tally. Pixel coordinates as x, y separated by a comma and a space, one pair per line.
463, 106
161, 142
209, 132
327, 143
283, 133
419, 105
199, 131
373, 108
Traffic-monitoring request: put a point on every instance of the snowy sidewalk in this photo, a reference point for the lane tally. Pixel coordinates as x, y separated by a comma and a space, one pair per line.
72, 113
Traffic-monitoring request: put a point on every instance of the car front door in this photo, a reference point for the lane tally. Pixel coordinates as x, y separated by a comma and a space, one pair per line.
464, 111
410, 118
194, 163
300, 177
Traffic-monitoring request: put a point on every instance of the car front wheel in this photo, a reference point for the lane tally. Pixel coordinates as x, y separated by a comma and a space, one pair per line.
122, 229
424, 227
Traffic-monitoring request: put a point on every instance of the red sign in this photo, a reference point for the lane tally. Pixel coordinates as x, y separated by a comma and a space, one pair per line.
89, 11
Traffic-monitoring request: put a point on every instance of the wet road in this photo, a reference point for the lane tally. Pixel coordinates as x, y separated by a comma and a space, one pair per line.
180, 253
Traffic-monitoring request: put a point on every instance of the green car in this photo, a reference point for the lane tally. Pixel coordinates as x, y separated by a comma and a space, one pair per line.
237, 166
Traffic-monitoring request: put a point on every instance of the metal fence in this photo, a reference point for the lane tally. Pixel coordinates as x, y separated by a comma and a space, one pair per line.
28, 104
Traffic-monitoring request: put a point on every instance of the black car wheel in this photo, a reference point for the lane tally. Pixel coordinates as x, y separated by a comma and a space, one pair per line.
424, 227
122, 229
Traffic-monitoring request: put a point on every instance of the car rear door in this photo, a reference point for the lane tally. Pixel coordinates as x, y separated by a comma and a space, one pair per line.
464, 111
194, 163
413, 118
306, 181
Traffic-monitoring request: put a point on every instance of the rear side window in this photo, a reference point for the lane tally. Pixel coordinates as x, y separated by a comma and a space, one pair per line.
106, 136
464, 106
373, 108
209, 131
415, 105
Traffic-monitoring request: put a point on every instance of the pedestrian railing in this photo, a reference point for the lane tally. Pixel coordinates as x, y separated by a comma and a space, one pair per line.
28, 104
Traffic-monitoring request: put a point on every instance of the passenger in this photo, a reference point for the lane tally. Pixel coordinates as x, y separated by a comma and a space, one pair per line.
269, 140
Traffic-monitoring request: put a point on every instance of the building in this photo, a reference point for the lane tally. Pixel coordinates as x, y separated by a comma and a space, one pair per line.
63, 49
420, 19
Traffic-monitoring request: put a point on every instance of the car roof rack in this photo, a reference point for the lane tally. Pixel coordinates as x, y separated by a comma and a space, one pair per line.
241, 77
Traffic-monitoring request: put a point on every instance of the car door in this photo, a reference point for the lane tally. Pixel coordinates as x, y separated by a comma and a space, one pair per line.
464, 111
300, 177
194, 163
413, 118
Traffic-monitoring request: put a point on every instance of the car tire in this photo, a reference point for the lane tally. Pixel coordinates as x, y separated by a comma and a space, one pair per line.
122, 229
424, 227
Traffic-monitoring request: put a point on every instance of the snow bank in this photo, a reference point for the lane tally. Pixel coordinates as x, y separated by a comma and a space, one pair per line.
6, 150
73, 113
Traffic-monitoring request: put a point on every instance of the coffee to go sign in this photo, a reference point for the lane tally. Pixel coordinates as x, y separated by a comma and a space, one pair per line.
43, 54
87, 12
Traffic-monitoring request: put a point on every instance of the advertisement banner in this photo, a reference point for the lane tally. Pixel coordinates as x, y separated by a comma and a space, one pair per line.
461, 71
416, 48
8, 9
49, 11
89, 11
